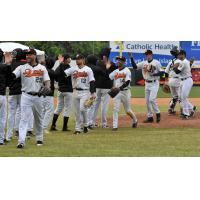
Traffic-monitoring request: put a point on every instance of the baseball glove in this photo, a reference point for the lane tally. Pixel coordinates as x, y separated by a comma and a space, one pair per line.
166, 88
89, 102
113, 92
44, 91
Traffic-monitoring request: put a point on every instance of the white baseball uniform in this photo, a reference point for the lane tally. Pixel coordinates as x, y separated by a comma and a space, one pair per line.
120, 77
81, 85
151, 84
32, 79
186, 86
174, 83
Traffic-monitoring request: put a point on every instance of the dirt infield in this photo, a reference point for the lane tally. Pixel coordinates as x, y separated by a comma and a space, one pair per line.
162, 101
166, 121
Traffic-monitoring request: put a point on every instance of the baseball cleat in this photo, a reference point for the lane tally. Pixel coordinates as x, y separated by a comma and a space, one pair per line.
20, 146
135, 124
66, 130
2, 143
148, 120
53, 128
114, 129
157, 117
29, 134
193, 111
85, 129
105, 126
77, 132
6, 140
185, 117
39, 143
90, 127
171, 112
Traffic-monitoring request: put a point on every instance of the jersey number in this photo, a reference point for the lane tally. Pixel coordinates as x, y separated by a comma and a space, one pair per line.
83, 80
38, 79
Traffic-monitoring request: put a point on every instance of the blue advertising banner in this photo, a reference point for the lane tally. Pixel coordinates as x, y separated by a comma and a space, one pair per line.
161, 50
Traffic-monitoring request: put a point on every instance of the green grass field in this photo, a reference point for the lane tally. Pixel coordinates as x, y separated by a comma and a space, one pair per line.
102, 142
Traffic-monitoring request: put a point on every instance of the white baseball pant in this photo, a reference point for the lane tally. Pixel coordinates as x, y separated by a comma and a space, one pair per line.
13, 105
186, 86
18, 117
79, 99
30, 104
174, 84
151, 91
64, 102
124, 98
3, 107
47, 110
103, 99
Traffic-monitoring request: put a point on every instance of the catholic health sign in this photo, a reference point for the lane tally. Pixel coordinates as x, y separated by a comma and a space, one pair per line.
158, 47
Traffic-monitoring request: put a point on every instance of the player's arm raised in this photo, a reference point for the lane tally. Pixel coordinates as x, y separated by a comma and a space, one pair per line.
134, 65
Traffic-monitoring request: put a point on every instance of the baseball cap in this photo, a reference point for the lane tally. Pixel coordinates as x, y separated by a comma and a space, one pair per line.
66, 56
148, 51
31, 51
79, 56
121, 58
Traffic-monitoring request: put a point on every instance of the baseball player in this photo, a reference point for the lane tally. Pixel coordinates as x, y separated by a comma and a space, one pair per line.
122, 79
173, 81
184, 70
33, 76
103, 85
151, 71
65, 91
84, 86
48, 101
5, 72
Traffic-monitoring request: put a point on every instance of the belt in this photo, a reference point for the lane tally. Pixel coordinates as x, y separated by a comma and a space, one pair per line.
150, 81
185, 78
125, 89
80, 89
175, 77
31, 93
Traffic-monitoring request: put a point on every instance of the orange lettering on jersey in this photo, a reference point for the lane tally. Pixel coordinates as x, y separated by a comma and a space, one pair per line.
120, 75
82, 74
30, 73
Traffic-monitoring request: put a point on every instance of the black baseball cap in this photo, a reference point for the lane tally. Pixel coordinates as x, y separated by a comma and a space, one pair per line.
121, 58
79, 56
31, 51
148, 51
66, 56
